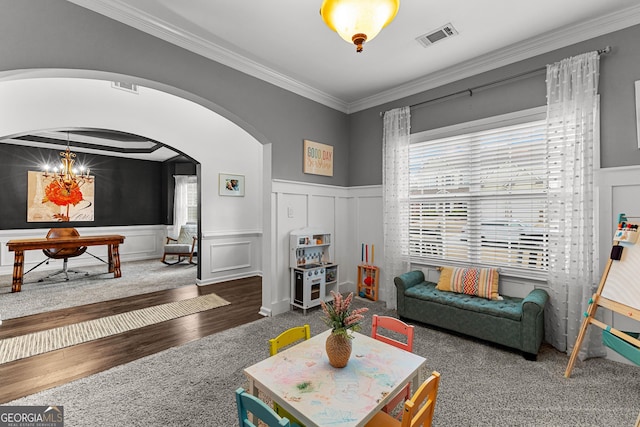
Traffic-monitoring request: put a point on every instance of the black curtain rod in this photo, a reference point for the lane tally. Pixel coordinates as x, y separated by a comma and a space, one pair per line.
603, 51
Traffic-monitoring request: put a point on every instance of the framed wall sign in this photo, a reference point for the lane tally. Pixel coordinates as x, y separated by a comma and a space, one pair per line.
318, 158
231, 185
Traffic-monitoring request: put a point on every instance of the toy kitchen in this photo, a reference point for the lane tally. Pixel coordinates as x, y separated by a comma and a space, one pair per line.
313, 274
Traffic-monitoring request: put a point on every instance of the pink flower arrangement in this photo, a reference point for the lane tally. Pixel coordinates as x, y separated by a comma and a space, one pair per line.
339, 317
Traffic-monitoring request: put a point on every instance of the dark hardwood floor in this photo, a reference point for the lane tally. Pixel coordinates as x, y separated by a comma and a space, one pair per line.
27, 376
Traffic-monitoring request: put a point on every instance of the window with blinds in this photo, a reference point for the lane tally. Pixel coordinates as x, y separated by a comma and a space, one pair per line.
480, 196
192, 200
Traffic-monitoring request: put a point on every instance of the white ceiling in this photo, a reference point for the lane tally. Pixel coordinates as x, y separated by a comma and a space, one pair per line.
286, 42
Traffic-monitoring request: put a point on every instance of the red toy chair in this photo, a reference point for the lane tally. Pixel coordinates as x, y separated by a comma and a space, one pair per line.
399, 327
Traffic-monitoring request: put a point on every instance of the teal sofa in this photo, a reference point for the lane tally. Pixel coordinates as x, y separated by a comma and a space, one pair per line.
517, 323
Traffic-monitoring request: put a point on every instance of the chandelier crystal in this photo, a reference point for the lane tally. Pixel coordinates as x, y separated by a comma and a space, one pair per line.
358, 21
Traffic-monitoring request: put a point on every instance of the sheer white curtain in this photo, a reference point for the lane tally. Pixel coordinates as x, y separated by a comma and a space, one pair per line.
395, 198
572, 114
180, 203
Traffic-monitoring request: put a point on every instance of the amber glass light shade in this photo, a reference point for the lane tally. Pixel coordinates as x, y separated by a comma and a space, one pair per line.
357, 21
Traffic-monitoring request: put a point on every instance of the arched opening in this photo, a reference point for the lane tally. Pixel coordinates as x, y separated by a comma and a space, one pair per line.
33, 101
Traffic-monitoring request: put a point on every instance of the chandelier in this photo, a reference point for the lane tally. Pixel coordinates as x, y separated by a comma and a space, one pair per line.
358, 21
65, 181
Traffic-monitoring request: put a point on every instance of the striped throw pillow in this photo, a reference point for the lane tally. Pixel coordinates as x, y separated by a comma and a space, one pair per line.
481, 282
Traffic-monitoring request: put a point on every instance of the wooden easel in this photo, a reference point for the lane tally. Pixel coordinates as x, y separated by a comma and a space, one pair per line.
621, 295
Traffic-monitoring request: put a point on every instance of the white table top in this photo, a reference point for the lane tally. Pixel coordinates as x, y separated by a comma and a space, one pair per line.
301, 380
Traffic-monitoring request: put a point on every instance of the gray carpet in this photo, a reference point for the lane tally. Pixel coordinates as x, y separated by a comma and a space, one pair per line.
138, 277
481, 385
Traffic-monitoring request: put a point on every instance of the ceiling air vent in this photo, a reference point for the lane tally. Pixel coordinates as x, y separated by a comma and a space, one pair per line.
129, 87
437, 35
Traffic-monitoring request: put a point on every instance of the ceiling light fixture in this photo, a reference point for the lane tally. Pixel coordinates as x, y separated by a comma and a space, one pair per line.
63, 186
358, 21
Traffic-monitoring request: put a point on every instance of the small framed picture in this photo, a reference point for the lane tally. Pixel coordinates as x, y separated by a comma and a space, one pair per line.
231, 185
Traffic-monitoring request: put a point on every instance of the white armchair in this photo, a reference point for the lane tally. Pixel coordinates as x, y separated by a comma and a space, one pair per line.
185, 246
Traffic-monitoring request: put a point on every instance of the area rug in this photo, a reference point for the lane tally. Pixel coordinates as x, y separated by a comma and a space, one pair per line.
138, 277
53, 339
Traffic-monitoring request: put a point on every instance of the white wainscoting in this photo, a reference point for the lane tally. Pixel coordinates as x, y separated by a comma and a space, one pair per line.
231, 255
141, 242
352, 216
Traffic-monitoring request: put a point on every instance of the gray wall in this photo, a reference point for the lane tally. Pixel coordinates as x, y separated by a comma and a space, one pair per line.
58, 34
618, 72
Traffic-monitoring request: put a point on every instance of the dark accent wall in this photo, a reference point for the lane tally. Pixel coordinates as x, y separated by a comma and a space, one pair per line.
127, 191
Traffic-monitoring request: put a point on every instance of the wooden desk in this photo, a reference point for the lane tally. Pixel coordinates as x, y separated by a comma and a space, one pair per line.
301, 380
19, 246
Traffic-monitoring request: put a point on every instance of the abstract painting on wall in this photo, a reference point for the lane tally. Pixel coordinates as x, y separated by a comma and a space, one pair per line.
48, 201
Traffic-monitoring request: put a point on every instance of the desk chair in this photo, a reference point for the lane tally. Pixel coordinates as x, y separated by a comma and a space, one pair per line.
418, 411
185, 246
285, 339
64, 253
249, 403
399, 328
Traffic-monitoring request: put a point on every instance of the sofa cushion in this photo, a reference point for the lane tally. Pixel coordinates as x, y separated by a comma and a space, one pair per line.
177, 248
482, 282
508, 307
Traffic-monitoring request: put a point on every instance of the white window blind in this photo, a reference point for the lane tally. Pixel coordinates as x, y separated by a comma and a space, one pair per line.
480, 198
192, 199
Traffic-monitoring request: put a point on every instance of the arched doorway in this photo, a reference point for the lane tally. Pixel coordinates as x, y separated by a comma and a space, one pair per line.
53, 99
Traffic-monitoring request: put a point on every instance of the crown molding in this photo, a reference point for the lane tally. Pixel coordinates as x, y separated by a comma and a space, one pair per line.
135, 18
117, 10
516, 52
